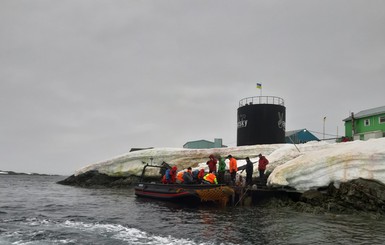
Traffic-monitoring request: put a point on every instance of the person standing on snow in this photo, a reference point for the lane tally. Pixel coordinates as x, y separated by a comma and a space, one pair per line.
249, 171
233, 168
221, 170
212, 163
262, 166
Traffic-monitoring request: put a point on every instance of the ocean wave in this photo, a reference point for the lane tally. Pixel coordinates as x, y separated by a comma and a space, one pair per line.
38, 230
125, 234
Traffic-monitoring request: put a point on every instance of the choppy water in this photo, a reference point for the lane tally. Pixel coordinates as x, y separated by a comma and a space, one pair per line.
36, 210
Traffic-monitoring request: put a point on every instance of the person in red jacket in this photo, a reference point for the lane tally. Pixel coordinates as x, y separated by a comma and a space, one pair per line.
201, 174
173, 174
262, 166
170, 176
212, 163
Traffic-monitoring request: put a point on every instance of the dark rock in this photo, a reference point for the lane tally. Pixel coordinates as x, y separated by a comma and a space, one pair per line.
313, 197
308, 208
362, 194
359, 195
95, 179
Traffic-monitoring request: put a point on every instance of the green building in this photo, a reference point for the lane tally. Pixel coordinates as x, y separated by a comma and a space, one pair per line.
204, 144
366, 124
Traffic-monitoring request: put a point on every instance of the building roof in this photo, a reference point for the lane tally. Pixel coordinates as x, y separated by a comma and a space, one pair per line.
292, 132
367, 113
205, 141
140, 149
299, 136
195, 141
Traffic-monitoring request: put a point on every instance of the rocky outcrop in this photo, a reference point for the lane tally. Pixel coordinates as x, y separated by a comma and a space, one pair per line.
95, 179
359, 195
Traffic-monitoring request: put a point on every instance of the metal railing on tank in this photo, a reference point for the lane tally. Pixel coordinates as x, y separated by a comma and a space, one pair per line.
256, 100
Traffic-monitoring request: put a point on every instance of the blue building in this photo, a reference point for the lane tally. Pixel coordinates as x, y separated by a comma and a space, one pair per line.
299, 136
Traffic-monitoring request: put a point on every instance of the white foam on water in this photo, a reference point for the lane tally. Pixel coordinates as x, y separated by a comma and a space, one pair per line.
126, 234
113, 232
37, 222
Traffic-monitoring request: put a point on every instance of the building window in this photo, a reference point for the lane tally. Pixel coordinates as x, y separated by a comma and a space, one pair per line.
381, 120
367, 122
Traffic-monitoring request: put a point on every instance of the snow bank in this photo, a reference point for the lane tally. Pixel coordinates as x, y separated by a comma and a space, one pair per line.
303, 167
333, 163
132, 163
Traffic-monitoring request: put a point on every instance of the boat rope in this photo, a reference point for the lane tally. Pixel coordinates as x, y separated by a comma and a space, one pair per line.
241, 198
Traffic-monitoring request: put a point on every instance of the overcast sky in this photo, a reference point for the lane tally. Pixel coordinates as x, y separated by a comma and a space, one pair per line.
83, 81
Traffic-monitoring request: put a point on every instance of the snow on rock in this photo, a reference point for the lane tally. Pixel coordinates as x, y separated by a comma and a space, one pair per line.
132, 163
332, 163
303, 167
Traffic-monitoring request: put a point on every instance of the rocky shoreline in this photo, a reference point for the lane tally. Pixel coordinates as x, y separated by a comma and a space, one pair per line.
356, 196
359, 195
94, 179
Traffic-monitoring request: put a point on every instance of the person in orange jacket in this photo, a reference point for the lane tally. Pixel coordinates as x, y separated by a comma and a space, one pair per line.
210, 178
179, 177
233, 167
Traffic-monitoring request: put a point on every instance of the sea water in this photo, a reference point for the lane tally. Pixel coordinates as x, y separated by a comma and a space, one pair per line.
36, 210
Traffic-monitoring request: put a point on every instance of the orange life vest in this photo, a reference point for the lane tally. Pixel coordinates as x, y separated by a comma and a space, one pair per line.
179, 176
211, 178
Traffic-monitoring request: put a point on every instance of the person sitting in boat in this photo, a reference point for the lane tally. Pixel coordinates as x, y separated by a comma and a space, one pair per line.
163, 168
179, 177
187, 176
198, 175
201, 174
210, 178
170, 176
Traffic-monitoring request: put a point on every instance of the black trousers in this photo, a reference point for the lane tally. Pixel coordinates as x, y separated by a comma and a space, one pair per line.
261, 173
233, 175
221, 177
249, 179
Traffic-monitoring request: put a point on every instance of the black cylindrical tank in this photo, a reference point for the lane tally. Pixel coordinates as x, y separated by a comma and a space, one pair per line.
261, 120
